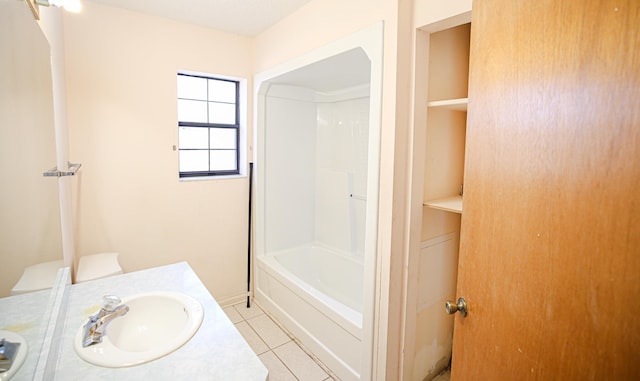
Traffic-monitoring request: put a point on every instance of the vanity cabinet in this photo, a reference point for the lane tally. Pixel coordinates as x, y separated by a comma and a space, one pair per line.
217, 351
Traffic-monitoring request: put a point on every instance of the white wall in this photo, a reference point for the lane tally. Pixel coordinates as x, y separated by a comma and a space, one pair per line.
436, 269
316, 156
313, 25
290, 149
121, 86
341, 171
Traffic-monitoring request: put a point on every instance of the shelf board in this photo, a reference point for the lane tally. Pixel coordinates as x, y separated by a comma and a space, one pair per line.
450, 204
459, 104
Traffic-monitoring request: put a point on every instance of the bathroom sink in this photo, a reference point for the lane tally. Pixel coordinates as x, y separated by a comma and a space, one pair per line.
19, 355
156, 324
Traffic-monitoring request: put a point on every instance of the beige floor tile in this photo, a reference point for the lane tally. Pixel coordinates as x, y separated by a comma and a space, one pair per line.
233, 314
248, 313
300, 364
254, 341
277, 370
269, 331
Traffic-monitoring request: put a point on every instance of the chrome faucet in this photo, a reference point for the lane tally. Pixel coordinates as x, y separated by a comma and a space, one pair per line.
8, 353
96, 327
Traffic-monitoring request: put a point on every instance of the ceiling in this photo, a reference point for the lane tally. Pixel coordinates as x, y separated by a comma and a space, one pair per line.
348, 69
244, 17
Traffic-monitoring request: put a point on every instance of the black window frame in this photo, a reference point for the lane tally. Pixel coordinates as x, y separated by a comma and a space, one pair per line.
209, 126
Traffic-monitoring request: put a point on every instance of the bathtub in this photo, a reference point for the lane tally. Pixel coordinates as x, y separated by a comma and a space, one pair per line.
317, 295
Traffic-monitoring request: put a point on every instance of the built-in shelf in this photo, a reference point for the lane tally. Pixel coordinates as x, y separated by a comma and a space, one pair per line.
450, 204
459, 104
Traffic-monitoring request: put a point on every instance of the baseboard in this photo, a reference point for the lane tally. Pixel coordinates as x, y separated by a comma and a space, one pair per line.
233, 300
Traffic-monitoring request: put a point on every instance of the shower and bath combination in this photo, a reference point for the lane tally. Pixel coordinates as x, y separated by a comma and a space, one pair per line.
317, 157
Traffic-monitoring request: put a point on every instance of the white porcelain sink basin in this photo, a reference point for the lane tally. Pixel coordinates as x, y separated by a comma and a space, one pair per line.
21, 354
157, 324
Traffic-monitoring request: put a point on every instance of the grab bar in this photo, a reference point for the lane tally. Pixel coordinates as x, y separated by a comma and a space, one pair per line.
54, 172
358, 197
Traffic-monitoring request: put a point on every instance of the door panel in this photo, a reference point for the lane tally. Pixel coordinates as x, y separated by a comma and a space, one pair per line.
550, 242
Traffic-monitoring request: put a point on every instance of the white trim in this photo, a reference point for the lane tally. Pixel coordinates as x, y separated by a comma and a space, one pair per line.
209, 178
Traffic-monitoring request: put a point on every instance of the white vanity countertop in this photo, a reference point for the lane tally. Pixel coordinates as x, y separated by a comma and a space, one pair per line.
24, 314
216, 352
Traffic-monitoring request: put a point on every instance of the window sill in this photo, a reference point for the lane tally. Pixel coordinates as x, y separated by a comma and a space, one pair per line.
204, 178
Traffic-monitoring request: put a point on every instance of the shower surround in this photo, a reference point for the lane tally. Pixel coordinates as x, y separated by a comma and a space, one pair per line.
318, 131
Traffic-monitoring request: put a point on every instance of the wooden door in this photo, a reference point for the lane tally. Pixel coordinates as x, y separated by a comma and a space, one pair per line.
550, 241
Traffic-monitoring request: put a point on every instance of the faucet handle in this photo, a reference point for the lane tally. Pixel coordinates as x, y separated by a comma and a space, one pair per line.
110, 302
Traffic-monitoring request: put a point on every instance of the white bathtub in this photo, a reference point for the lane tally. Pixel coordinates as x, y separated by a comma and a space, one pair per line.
317, 295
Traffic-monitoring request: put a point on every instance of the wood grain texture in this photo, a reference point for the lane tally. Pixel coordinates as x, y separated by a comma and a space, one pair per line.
550, 242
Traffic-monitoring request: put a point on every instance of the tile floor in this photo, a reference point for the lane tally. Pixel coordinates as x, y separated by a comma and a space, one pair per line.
278, 350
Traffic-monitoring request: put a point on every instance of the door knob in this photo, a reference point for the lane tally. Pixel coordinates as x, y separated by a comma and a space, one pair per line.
452, 307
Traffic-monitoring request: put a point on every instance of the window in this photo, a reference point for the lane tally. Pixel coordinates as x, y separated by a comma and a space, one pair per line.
208, 126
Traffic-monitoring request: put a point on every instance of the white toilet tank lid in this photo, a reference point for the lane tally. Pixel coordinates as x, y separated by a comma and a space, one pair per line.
37, 277
98, 266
